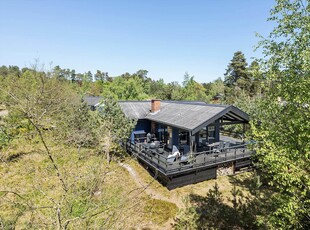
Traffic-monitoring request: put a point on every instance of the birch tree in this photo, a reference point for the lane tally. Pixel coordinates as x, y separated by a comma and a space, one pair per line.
283, 132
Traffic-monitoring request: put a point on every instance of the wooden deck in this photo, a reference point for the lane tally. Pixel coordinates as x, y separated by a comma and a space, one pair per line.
198, 167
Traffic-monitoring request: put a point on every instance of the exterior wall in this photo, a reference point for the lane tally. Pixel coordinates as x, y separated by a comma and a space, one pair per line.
143, 125
196, 144
217, 131
153, 127
175, 137
242, 163
190, 178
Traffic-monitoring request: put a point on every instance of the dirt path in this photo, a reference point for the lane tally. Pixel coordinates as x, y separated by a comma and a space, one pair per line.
150, 191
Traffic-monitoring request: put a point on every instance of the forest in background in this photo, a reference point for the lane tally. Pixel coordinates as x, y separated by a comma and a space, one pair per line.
242, 86
239, 79
54, 151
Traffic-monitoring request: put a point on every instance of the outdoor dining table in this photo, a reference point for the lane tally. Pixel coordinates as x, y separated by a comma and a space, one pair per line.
215, 144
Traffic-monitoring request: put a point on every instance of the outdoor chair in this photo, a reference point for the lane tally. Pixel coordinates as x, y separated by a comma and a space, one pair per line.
160, 148
226, 146
219, 148
185, 156
174, 155
154, 144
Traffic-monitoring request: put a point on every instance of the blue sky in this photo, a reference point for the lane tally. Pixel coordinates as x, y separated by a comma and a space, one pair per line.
165, 37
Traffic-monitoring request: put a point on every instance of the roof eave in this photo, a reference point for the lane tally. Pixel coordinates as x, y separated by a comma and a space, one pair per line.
169, 124
232, 108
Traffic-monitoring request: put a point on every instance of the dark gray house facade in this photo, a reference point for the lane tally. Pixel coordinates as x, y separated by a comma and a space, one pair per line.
181, 141
183, 122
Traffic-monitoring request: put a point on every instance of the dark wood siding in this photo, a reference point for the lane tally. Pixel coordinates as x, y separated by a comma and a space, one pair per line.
175, 137
243, 163
191, 178
143, 124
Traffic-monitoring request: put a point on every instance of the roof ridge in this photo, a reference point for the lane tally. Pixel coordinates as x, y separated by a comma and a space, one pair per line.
196, 102
201, 103
133, 101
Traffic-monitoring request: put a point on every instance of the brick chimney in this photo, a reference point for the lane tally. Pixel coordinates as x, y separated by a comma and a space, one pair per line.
155, 105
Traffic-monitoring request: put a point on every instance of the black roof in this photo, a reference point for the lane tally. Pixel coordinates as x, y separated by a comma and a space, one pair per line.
186, 115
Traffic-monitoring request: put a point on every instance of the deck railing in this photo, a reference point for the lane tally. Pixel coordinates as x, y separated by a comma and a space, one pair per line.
194, 160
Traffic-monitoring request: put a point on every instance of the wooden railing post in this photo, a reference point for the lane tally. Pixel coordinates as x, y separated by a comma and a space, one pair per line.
158, 159
234, 167
204, 158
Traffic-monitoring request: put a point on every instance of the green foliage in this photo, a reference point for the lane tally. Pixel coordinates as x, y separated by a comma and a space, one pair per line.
44, 106
13, 127
237, 69
214, 89
173, 91
112, 127
125, 88
211, 212
38, 195
136, 86
241, 79
158, 89
117, 123
101, 76
187, 217
79, 126
50, 184
192, 90
9, 71
283, 132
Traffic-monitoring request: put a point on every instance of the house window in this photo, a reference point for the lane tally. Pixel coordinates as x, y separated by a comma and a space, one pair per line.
169, 137
211, 133
183, 137
203, 137
162, 134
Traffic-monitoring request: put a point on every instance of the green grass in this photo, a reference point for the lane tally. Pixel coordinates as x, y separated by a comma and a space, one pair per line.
159, 211
32, 176
147, 178
225, 183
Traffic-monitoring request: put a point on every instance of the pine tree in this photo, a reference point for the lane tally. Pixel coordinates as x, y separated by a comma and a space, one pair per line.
236, 79
237, 69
